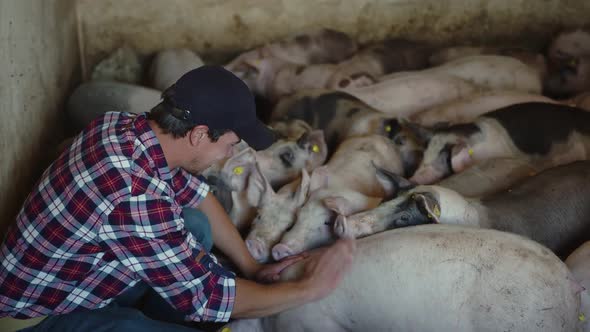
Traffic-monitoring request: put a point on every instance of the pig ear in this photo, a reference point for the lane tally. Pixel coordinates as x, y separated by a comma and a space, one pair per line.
317, 148
392, 183
303, 189
319, 178
259, 190
428, 205
421, 133
236, 169
461, 157
338, 204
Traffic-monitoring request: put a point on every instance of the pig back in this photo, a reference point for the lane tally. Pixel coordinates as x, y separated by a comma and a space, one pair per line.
446, 278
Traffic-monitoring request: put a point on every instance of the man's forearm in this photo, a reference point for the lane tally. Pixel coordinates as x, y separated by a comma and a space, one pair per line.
227, 238
258, 300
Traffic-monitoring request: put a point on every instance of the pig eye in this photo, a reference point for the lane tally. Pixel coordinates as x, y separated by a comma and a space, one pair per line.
287, 158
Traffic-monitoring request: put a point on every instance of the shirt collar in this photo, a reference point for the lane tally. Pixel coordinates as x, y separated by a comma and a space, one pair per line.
147, 137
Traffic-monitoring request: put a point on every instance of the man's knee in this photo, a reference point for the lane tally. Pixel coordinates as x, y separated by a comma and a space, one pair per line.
198, 224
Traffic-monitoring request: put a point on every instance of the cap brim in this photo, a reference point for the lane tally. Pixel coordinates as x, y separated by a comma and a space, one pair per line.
257, 135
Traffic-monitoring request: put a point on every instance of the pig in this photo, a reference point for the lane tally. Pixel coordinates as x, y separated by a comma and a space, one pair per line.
531, 58
274, 78
281, 163
578, 263
381, 58
347, 175
490, 72
552, 208
546, 134
569, 43
94, 98
290, 129
490, 176
569, 64
581, 100
442, 278
291, 78
321, 46
341, 115
169, 65
411, 93
257, 67
467, 109
568, 77
275, 211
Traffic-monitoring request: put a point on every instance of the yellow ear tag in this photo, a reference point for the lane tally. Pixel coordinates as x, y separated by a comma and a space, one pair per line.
388, 128
226, 329
436, 211
470, 151
315, 148
582, 318
239, 170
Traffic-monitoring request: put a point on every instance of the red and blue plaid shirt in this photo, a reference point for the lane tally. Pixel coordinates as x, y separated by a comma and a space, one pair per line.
105, 215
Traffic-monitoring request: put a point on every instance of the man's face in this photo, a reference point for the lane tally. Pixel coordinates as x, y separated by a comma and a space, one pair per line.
206, 152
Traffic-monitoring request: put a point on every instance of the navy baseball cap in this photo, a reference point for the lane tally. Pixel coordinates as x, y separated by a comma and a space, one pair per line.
215, 97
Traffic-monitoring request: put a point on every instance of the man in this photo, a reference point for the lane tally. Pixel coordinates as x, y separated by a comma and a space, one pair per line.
107, 219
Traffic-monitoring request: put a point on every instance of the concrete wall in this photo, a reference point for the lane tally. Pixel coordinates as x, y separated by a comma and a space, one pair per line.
218, 26
39, 60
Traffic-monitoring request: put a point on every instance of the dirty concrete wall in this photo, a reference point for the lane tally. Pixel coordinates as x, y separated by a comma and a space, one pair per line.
218, 26
39, 60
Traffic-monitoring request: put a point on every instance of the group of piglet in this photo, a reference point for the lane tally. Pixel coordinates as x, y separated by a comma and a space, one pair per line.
374, 138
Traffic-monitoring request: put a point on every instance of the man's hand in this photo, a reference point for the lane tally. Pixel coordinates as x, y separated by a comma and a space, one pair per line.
271, 272
323, 273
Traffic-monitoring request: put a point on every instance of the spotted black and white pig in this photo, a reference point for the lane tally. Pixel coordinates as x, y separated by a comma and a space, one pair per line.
341, 115
467, 109
552, 208
546, 134
257, 67
439, 278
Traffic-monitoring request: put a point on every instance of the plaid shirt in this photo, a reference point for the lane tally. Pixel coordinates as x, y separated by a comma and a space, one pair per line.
106, 214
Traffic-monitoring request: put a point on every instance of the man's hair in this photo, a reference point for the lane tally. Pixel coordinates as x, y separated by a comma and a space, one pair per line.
177, 127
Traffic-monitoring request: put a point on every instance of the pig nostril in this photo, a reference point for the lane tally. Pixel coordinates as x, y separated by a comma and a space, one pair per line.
280, 251
344, 83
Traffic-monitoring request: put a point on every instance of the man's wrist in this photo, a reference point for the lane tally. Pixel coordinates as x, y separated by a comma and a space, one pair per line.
251, 269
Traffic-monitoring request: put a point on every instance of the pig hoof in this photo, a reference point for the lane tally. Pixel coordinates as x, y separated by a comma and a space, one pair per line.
281, 251
257, 249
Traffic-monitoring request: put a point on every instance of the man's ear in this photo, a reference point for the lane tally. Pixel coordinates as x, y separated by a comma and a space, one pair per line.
197, 134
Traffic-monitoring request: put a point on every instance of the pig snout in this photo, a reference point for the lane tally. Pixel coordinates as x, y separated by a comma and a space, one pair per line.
257, 249
281, 251
341, 228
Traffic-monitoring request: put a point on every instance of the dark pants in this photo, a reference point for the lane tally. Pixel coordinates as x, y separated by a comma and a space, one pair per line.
124, 313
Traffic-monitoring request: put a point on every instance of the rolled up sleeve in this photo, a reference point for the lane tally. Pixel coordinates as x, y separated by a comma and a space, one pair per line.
190, 189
